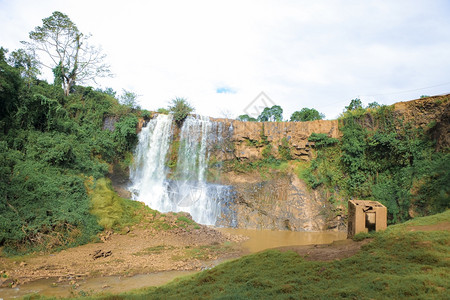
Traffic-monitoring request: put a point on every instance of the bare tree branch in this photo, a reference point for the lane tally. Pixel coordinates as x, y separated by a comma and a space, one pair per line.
73, 59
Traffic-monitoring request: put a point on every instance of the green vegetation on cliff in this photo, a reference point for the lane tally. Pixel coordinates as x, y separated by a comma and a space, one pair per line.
50, 146
384, 158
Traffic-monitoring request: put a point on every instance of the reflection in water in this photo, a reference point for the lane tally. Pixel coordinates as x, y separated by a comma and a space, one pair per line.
265, 239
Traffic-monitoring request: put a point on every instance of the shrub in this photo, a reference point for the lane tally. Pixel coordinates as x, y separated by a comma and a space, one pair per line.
180, 109
284, 149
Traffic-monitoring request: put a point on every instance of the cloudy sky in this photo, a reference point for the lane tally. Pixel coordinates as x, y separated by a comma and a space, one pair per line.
220, 55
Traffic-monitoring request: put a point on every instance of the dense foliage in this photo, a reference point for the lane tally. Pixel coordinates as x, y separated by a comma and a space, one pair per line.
384, 158
51, 145
306, 114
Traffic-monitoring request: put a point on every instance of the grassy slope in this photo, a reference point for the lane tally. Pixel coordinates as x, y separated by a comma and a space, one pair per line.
398, 263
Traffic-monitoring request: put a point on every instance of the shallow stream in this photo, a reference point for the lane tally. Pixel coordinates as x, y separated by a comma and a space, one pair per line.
258, 240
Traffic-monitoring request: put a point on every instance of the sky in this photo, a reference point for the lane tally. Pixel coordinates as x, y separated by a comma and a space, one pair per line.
229, 58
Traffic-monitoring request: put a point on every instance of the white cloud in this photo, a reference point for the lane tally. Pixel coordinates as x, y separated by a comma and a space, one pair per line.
317, 54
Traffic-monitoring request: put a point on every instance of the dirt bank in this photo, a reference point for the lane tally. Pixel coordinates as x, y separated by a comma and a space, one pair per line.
138, 250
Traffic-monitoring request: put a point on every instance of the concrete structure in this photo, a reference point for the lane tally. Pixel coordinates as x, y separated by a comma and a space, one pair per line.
365, 216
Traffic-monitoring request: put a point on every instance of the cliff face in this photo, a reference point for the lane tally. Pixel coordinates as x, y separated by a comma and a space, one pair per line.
432, 114
248, 139
272, 199
284, 202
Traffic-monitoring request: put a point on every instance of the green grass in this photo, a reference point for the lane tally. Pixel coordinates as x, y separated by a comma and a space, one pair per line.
203, 252
112, 211
183, 221
154, 250
397, 264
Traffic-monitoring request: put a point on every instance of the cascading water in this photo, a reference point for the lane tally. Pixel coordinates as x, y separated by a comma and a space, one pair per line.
187, 190
148, 173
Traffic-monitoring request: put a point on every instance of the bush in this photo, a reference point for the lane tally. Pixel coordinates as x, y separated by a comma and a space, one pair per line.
180, 109
284, 149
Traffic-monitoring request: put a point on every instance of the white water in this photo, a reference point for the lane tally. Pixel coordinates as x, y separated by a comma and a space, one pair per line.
189, 190
148, 173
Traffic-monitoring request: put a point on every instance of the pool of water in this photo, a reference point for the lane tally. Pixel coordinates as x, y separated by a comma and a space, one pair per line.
265, 239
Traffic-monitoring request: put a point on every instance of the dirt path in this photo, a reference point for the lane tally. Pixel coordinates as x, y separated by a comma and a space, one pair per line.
336, 250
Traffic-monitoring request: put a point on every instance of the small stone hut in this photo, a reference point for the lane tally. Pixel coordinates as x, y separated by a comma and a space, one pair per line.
365, 216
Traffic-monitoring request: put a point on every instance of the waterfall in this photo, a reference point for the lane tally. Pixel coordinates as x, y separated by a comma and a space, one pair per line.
148, 173
188, 190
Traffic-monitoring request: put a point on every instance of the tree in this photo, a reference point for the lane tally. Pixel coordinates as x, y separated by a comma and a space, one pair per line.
354, 104
373, 105
180, 109
306, 114
246, 118
68, 50
272, 114
109, 91
27, 65
10, 83
129, 99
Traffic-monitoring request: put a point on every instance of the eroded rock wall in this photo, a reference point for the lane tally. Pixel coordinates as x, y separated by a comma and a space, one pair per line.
248, 138
430, 113
280, 203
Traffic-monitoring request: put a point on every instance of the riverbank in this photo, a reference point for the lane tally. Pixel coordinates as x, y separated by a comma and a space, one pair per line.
140, 249
407, 261
140, 258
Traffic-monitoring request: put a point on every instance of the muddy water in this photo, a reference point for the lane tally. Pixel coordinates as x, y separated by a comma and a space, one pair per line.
258, 240
265, 239
109, 284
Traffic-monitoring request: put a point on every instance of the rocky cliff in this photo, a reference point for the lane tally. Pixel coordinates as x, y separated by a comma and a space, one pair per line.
284, 201
249, 139
431, 114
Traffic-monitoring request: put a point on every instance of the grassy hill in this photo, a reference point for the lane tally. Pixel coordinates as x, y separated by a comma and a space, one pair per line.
408, 260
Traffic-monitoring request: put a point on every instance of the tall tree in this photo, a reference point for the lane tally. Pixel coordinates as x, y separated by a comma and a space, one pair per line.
27, 64
271, 114
355, 104
68, 50
306, 114
129, 99
10, 83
